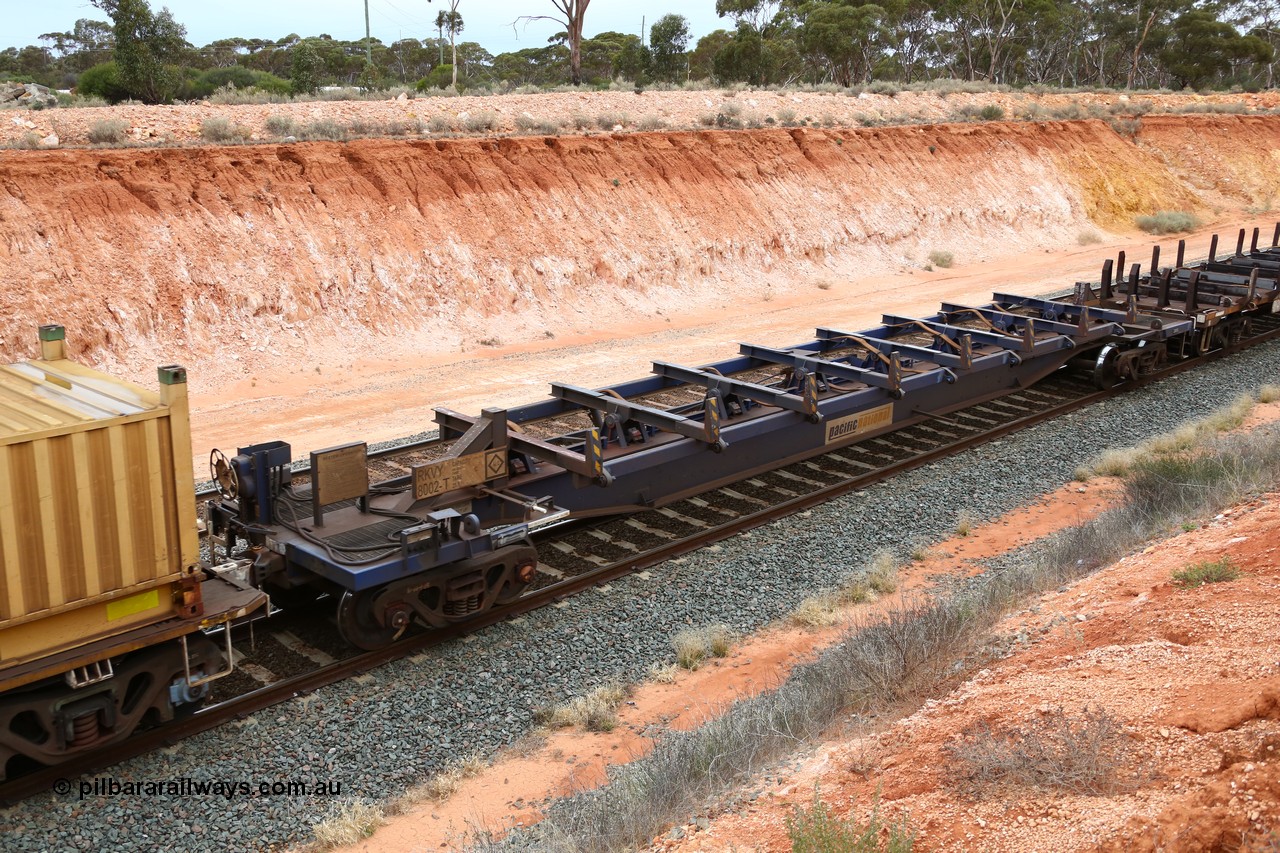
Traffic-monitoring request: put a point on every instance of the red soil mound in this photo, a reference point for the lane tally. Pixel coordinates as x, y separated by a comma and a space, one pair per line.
201, 253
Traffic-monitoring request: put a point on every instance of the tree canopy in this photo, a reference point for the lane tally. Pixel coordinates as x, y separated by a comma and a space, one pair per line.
143, 54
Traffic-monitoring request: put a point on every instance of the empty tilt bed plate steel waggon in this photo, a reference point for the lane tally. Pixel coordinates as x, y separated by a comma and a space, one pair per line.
451, 535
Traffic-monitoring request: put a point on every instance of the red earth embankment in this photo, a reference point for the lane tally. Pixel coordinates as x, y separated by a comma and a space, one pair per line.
264, 252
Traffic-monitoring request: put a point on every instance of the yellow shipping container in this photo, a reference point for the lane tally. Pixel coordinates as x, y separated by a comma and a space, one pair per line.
97, 503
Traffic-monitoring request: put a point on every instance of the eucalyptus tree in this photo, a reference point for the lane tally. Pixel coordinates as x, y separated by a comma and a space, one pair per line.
569, 14
148, 49
668, 41
451, 21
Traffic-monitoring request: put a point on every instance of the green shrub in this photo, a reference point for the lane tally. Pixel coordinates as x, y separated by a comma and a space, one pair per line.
608, 121
235, 76
1209, 571
817, 830
440, 124
480, 122
278, 125
102, 81
324, 129
883, 87
1167, 222
528, 124
941, 259
236, 84
440, 77
108, 131
991, 112
219, 129
396, 127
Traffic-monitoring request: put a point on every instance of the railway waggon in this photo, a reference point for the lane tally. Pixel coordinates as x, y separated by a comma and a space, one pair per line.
105, 608
450, 535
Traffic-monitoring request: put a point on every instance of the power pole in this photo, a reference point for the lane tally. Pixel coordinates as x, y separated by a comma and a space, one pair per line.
368, 39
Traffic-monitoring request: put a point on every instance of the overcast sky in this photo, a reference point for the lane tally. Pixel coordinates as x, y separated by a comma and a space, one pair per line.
486, 21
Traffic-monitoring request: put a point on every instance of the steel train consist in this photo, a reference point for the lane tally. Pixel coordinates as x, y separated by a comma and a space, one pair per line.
105, 608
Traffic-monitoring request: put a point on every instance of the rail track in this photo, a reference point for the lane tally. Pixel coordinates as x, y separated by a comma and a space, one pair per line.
583, 555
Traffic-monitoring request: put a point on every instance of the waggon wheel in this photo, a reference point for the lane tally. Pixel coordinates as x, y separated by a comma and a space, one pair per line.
360, 627
224, 474
1105, 374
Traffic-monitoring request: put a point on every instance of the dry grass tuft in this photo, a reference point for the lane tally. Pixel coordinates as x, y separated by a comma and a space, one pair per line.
941, 259
1168, 222
664, 673
594, 712
354, 821
817, 611
855, 590
1120, 461
441, 786
526, 123
695, 645
485, 121
1269, 393
1082, 754
920, 552
108, 131
219, 129
883, 574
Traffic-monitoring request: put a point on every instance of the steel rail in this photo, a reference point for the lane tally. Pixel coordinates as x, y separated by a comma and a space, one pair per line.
256, 700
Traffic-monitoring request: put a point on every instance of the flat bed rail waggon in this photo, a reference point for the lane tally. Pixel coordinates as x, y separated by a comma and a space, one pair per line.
451, 535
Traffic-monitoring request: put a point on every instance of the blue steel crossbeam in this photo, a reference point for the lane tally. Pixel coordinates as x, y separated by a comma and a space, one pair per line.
961, 359
713, 381
706, 430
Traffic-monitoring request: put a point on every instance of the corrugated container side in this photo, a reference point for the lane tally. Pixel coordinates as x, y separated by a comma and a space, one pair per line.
86, 514
92, 509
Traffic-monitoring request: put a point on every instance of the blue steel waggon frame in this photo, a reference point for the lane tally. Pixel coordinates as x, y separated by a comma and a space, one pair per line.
450, 537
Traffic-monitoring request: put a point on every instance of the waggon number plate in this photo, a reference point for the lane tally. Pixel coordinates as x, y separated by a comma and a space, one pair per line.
436, 478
